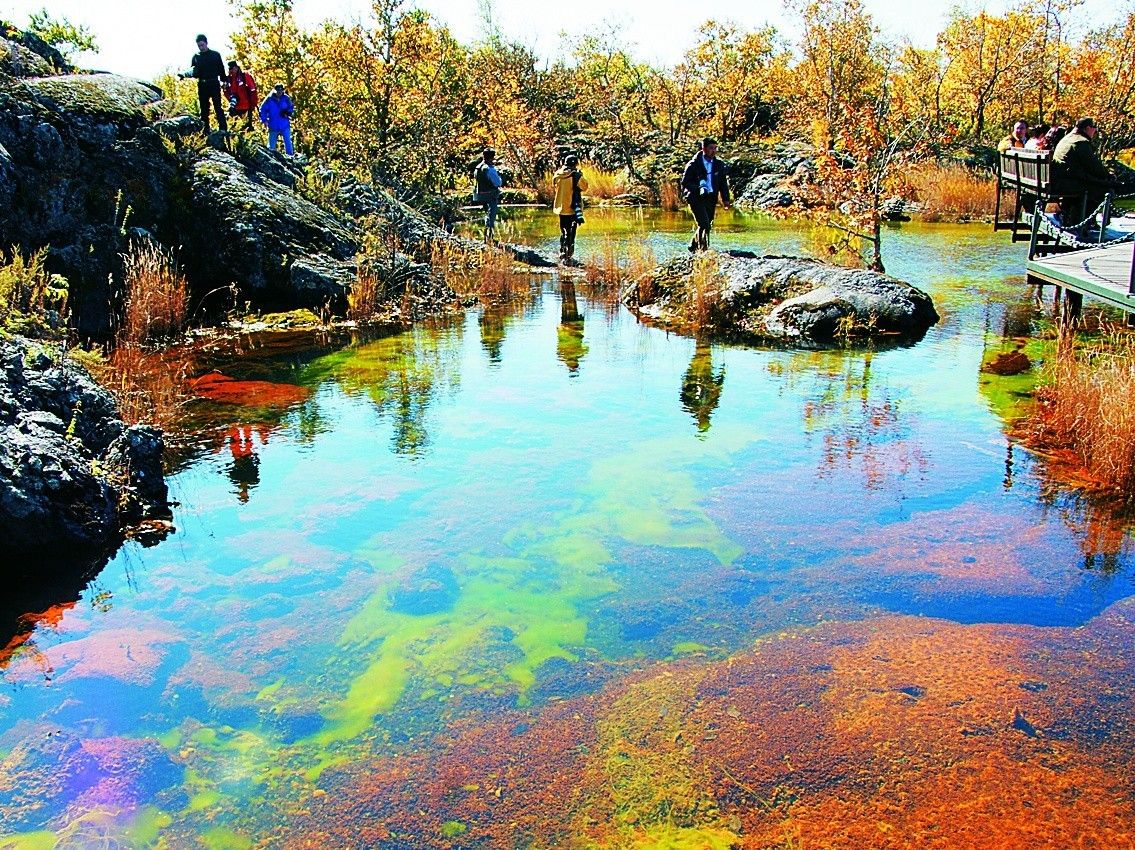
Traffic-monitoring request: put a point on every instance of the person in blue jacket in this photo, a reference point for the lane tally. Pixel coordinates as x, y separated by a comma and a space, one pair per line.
276, 113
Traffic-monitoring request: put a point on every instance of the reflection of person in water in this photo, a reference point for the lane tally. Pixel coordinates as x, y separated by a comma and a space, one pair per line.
492, 332
244, 471
569, 338
701, 385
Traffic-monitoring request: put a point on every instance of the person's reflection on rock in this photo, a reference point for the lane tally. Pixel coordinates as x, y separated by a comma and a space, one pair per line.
244, 471
569, 338
701, 385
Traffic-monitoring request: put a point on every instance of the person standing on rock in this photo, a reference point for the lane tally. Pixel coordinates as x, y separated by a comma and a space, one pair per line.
276, 114
569, 184
702, 182
209, 71
488, 185
240, 89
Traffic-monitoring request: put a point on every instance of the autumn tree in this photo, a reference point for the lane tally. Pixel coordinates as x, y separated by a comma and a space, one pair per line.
740, 75
840, 69
995, 66
1099, 80
66, 37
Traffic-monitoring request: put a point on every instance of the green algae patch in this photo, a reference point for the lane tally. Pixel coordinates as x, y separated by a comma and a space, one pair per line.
1011, 396
680, 838
222, 838
689, 647
147, 826
452, 829
42, 840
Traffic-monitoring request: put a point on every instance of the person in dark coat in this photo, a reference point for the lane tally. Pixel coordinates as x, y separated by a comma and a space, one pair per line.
208, 69
703, 181
1077, 169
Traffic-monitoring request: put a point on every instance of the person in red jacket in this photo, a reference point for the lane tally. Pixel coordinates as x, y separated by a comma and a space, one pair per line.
240, 89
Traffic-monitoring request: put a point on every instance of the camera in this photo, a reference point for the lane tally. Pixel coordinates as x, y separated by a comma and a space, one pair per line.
578, 213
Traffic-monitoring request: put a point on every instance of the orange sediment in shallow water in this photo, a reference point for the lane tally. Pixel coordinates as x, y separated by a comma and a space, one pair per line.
218, 387
889, 733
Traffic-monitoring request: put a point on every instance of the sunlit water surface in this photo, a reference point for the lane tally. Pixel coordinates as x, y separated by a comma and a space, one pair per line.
399, 611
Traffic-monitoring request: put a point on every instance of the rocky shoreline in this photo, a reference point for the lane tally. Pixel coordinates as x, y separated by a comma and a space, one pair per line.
73, 477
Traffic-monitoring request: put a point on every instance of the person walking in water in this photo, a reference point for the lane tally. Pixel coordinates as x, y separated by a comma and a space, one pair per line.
276, 114
240, 89
209, 71
702, 182
488, 185
569, 184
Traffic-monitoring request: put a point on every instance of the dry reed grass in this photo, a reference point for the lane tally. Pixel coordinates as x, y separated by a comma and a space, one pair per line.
603, 184
488, 274
363, 299
156, 295
617, 265
1088, 406
150, 386
670, 195
953, 191
703, 296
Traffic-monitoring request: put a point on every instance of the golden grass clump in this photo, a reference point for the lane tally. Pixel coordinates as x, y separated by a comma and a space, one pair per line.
603, 184
604, 267
362, 300
1088, 406
703, 298
156, 295
670, 195
953, 191
150, 386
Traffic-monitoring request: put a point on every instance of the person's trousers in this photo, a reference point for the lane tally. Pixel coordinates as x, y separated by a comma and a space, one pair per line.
703, 207
491, 203
568, 226
274, 137
210, 96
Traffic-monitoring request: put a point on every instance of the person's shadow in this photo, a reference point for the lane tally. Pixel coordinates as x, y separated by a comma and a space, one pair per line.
701, 385
569, 337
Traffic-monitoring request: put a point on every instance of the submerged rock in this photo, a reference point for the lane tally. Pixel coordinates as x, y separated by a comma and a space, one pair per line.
72, 474
782, 298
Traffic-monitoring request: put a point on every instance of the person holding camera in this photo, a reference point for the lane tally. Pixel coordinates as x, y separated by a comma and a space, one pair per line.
276, 114
208, 69
240, 89
569, 184
702, 182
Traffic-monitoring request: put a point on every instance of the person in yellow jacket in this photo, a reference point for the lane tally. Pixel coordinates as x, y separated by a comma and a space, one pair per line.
569, 184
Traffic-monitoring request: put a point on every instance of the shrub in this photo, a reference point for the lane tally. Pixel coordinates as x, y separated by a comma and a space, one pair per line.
670, 195
32, 301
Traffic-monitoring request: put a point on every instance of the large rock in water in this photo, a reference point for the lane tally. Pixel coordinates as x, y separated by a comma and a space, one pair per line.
785, 298
72, 475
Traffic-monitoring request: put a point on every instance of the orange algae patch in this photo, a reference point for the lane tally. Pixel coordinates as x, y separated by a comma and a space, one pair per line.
26, 625
218, 387
890, 733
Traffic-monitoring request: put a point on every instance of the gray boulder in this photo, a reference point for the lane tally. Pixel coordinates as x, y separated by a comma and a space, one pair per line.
790, 299
72, 474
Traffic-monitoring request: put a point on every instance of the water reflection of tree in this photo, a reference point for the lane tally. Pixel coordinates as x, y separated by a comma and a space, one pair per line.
701, 385
403, 375
860, 427
569, 336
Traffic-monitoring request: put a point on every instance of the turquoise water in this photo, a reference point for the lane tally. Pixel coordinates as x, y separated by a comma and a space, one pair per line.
516, 509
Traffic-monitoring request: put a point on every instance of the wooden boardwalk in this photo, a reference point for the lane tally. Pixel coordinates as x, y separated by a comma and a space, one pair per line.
1100, 273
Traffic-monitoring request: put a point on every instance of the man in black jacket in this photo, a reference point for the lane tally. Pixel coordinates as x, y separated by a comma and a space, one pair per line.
703, 180
209, 71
